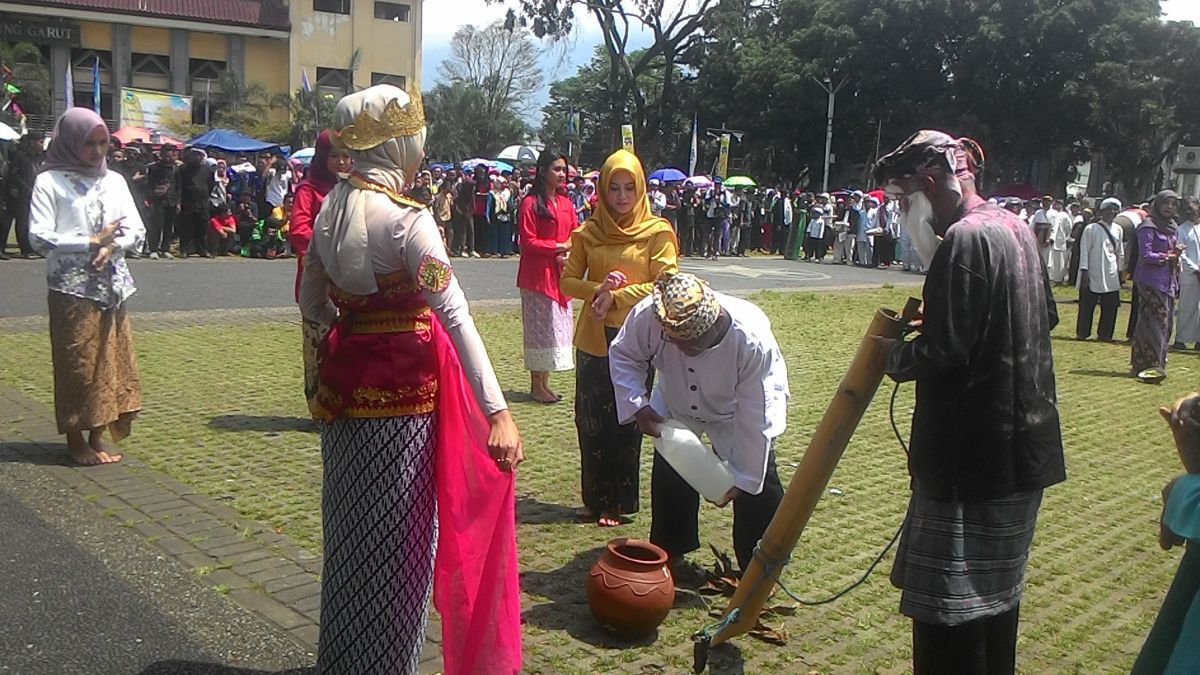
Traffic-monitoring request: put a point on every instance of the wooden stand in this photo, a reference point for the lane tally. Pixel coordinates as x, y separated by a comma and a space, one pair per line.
824, 452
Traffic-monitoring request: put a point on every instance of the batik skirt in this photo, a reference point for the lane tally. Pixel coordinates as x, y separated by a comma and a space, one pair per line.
313, 333
379, 513
609, 452
549, 329
96, 382
1152, 331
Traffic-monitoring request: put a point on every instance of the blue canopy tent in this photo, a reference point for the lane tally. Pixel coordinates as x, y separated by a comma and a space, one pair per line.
228, 140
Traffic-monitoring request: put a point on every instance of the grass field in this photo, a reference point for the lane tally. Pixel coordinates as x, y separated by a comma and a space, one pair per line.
224, 413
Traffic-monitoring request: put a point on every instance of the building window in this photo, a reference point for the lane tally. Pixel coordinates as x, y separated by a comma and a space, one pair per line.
151, 64
391, 11
332, 6
83, 59
388, 78
337, 81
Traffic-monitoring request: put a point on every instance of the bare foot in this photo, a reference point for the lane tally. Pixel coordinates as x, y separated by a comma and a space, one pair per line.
106, 453
609, 520
86, 456
544, 396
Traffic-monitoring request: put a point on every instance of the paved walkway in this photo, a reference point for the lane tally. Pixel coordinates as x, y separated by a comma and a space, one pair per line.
260, 570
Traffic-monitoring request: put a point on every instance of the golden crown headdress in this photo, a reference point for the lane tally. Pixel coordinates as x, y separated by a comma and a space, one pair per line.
366, 132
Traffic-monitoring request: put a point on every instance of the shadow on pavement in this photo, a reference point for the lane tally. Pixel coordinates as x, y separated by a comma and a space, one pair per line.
567, 611
264, 423
532, 512
201, 668
40, 454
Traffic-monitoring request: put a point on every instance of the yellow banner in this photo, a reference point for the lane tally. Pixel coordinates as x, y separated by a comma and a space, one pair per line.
153, 109
627, 137
723, 162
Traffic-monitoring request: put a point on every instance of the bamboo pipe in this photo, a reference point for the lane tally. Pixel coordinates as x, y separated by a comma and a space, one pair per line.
824, 452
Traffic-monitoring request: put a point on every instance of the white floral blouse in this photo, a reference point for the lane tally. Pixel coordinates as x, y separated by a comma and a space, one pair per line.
67, 208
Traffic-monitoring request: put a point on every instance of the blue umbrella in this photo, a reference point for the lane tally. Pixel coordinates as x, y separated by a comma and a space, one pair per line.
668, 175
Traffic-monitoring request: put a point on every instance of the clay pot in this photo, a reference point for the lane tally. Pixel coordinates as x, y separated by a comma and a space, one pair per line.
630, 589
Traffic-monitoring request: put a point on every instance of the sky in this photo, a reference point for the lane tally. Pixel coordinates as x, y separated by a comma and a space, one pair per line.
443, 17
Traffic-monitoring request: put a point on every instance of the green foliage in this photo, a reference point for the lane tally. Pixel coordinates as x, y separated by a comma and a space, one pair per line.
1023, 77
589, 92
31, 73
460, 126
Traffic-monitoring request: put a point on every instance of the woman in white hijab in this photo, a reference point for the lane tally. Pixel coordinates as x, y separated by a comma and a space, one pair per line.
418, 444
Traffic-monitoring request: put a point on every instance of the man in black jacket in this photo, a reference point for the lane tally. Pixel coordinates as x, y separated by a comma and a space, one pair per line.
163, 182
22, 170
196, 183
985, 432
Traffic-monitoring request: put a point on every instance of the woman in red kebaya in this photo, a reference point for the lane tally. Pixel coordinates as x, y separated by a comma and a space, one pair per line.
328, 162
545, 221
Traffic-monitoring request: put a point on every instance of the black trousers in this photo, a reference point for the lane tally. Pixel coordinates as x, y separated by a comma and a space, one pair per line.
1133, 313
160, 231
982, 647
16, 211
675, 508
687, 238
1109, 303
462, 235
480, 224
193, 231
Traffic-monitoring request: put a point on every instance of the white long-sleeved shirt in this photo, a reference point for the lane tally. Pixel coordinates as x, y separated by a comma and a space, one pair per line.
1100, 254
735, 392
1060, 230
1189, 236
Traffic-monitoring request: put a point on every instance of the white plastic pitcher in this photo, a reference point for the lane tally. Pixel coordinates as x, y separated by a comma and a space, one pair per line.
694, 461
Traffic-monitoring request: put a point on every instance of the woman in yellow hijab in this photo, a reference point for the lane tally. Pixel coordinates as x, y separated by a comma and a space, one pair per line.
615, 256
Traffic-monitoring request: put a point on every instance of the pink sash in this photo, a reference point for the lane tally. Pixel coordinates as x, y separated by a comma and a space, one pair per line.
476, 589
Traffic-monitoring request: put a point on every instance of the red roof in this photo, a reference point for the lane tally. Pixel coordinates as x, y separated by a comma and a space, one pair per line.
270, 14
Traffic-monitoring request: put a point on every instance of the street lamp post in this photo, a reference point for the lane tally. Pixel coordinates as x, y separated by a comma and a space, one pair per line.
828, 86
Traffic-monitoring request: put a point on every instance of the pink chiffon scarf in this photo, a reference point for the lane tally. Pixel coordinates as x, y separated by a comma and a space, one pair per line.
476, 589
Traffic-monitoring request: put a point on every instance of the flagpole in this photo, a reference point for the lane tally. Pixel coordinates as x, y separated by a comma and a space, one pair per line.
207, 98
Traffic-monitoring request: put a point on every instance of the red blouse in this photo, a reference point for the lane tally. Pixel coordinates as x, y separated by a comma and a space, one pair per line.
304, 214
378, 359
541, 265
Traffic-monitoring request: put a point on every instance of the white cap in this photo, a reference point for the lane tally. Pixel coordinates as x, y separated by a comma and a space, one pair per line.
655, 181
1111, 203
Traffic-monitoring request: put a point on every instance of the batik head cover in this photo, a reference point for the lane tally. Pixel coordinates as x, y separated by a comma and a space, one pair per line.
685, 305
929, 150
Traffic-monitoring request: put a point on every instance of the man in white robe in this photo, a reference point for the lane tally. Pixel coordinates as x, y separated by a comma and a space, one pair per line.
721, 375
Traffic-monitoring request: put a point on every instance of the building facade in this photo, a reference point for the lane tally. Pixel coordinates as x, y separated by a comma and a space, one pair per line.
184, 48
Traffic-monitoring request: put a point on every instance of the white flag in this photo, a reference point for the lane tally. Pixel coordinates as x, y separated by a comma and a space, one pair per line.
692, 156
70, 86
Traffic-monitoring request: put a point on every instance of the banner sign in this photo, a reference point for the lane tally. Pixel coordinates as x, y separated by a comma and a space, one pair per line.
153, 109
574, 123
723, 161
13, 30
627, 137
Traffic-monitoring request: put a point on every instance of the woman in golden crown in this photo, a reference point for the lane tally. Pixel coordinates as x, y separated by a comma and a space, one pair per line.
418, 445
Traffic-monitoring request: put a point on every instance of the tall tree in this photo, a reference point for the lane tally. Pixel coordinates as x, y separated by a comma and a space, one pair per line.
674, 29
587, 92
501, 61
461, 127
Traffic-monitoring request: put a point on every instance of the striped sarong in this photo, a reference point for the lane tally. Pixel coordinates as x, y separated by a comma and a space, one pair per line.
962, 561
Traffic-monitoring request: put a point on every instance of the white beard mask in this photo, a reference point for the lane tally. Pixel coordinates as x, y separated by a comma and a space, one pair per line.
917, 220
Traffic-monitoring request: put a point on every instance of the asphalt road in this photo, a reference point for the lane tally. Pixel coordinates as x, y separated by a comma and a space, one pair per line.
236, 283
